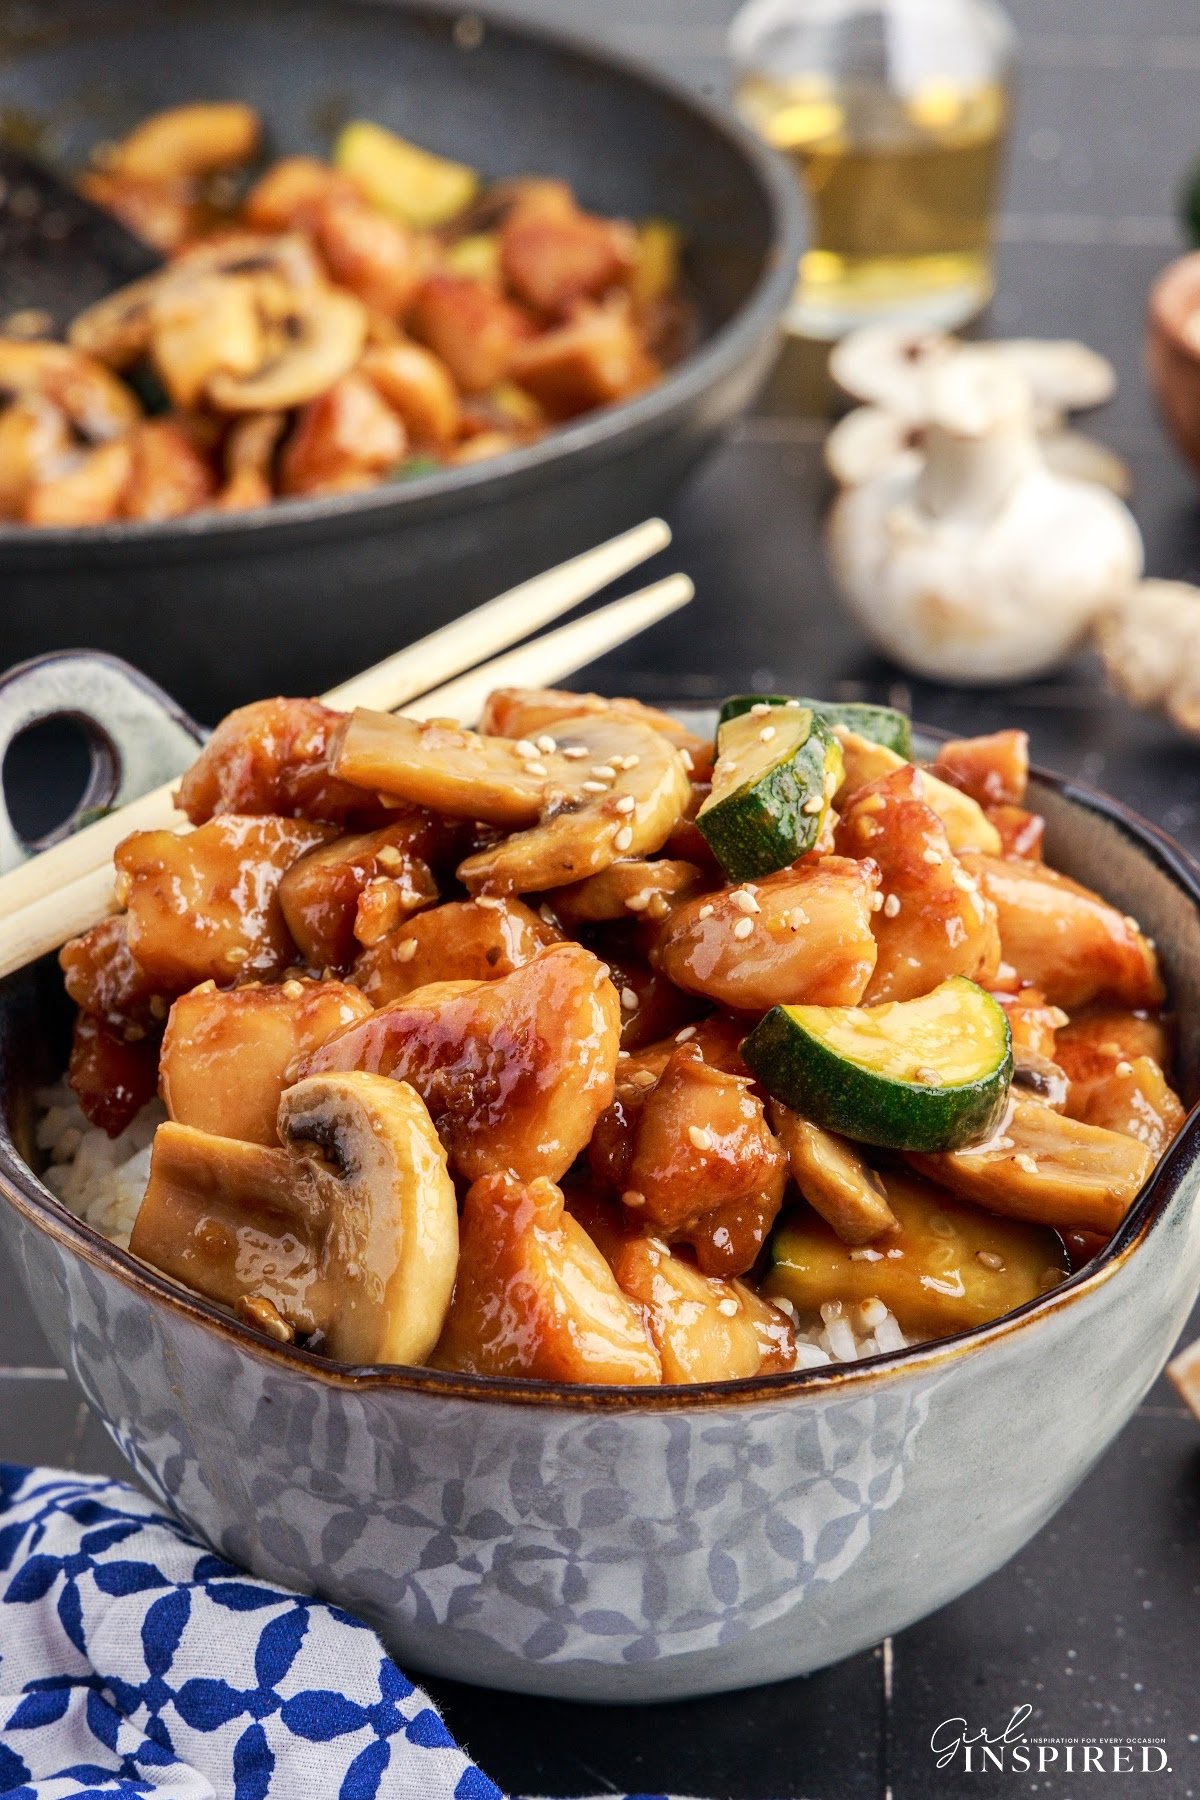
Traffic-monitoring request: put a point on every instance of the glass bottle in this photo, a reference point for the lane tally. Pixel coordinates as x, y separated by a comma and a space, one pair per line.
894, 115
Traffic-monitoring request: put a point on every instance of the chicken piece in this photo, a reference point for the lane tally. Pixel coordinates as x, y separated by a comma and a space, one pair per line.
102, 977
35, 437
553, 254
1034, 1023
809, 938
285, 197
693, 1157
1114, 1063
1065, 940
168, 477
528, 712
465, 940
595, 359
182, 143
376, 257
703, 1328
1049, 1169
834, 1179
471, 327
86, 489
225, 1055
1021, 832
629, 890
204, 905
934, 922
418, 386
111, 1077
515, 1072
322, 893
272, 757
347, 437
535, 1297
966, 825
993, 770
718, 1038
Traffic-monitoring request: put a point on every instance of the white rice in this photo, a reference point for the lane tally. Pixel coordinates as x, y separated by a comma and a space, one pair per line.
101, 1180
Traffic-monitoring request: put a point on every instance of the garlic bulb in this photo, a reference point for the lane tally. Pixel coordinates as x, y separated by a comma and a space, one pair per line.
974, 562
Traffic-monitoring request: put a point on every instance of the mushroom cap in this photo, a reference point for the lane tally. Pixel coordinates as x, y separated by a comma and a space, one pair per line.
318, 341
391, 1249
890, 365
870, 441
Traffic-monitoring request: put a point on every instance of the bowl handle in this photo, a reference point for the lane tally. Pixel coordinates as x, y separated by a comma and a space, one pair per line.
137, 736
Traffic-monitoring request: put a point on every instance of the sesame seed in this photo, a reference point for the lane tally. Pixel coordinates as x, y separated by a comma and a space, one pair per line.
876, 902
685, 757
1123, 1068
1026, 1162
701, 1137
706, 911
407, 950
813, 805
292, 990
238, 955
933, 857
623, 839
389, 857
962, 881
866, 1255
622, 1055
760, 707
643, 1078
523, 747
629, 999
728, 1308
744, 900
632, 760
595, 787
1132, 922
640, 901
796, 918
573, 752
891, 906
631, 1197
492, 902
536, 768
546, 915
626, 804
990, 1260
686, 1035
605, 771
872, 1313
766, 734
546, 744
929, 1077
894, 1255
743, 928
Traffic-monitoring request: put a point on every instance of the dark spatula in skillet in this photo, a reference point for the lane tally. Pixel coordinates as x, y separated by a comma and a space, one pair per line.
58, 251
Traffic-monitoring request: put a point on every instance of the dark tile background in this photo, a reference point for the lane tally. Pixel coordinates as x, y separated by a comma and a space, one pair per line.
1097, 1624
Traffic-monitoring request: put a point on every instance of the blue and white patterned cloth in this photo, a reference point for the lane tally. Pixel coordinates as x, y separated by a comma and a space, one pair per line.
135, 1662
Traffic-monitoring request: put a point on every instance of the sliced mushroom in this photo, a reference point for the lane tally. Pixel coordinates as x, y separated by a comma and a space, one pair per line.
351, 1229
184, 142
320, 337
833, 1178
83, 390
630, 890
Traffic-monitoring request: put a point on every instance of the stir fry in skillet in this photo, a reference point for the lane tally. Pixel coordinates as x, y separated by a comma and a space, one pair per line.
581, 1048
320, 327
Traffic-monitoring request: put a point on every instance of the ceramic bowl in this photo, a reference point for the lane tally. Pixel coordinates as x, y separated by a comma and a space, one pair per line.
1173, 356
627, 1545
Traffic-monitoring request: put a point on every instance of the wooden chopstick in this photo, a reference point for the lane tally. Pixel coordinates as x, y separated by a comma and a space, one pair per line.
388, 685
55, 915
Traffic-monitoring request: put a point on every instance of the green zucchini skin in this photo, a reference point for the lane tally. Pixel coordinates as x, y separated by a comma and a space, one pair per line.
796, 1067
880, 724
763, 826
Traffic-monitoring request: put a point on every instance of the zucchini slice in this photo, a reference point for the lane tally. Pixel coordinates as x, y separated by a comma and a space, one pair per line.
881, 724
907, 1075
772, 784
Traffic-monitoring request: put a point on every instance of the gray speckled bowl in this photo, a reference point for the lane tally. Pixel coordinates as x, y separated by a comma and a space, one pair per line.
630, 1545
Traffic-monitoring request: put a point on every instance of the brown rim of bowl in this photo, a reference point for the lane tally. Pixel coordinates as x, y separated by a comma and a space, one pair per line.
580, 440
1174, 297
34, 1202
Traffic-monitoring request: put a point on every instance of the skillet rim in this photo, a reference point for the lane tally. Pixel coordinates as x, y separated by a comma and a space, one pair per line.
574, 444
21, 1189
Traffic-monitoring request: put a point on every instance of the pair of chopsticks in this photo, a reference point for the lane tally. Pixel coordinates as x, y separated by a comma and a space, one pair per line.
69, 887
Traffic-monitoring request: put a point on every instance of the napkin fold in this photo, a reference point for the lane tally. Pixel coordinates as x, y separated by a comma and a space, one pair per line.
135, 1662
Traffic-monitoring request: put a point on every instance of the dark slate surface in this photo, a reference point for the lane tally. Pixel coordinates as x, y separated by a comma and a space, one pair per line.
1095, 1624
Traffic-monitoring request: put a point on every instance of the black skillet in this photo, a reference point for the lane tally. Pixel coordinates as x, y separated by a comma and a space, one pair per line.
221, 609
